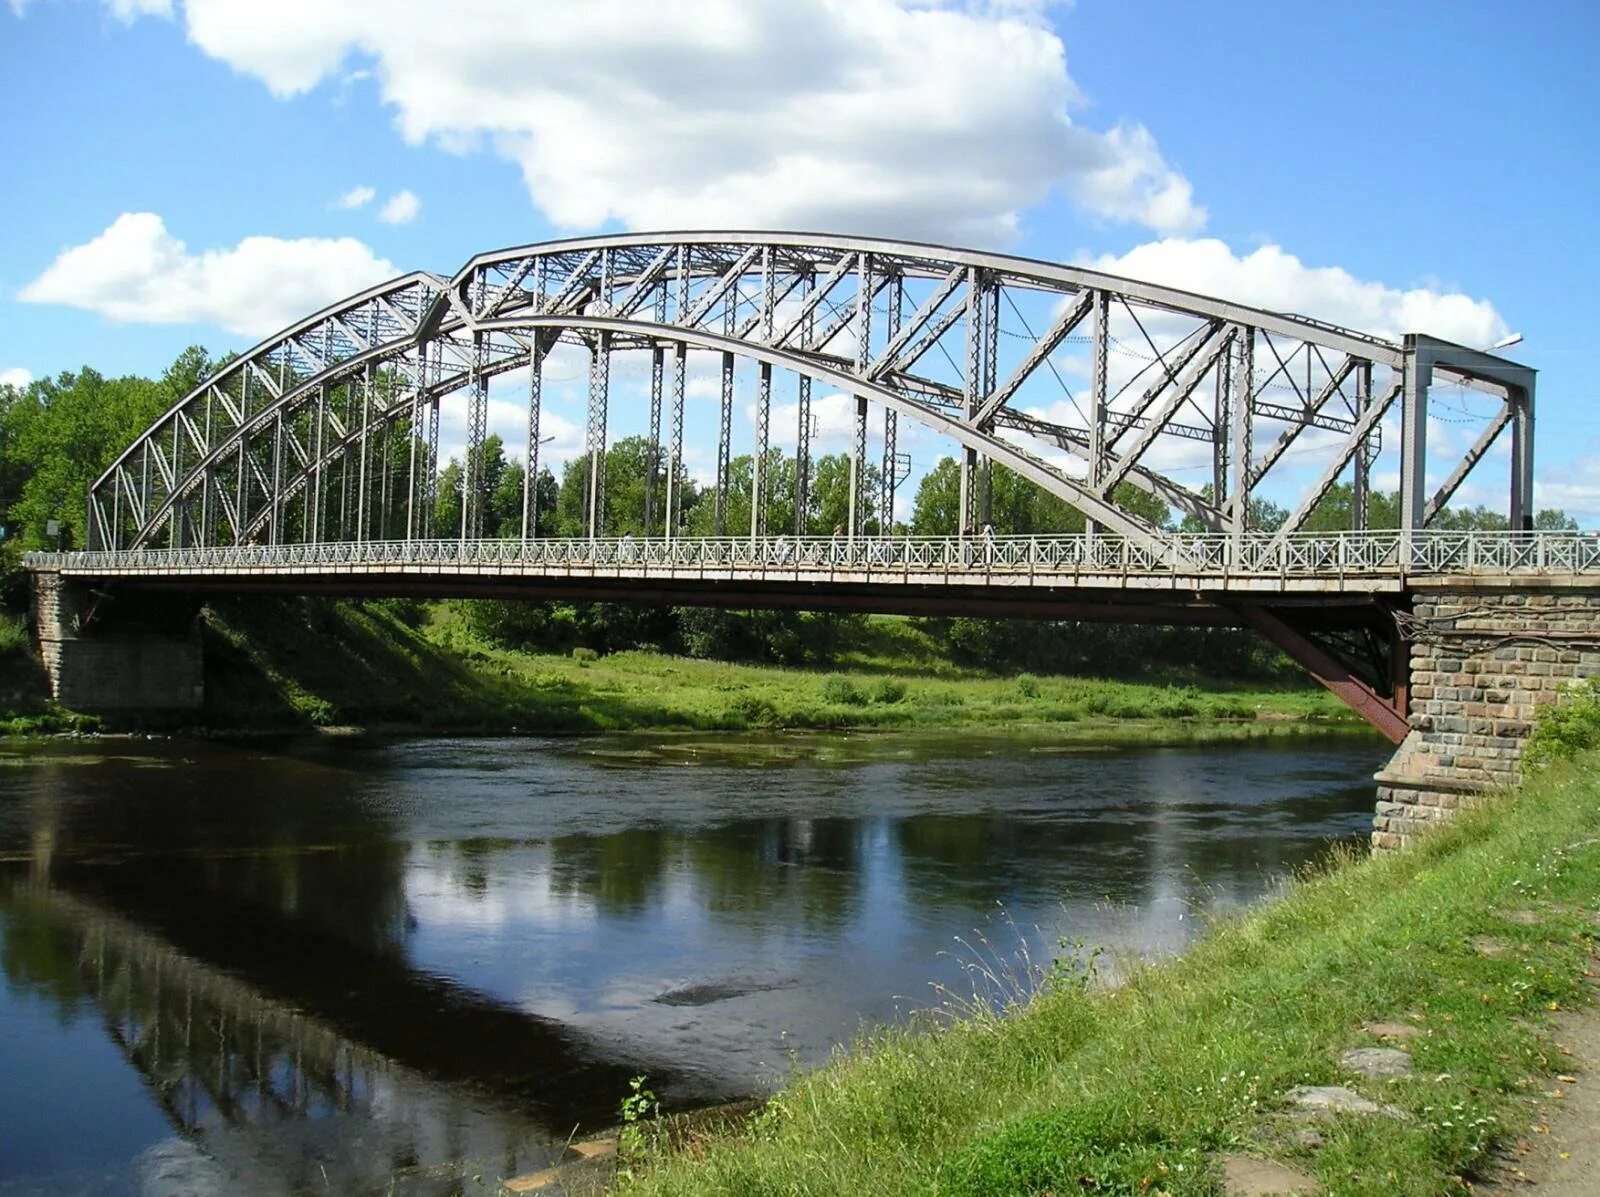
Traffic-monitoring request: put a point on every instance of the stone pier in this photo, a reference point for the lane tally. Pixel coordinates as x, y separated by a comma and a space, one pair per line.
117, 653
1484, 661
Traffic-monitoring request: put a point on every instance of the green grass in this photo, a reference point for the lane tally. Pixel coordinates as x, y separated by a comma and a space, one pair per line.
1136, 1090
281, 664
294, 663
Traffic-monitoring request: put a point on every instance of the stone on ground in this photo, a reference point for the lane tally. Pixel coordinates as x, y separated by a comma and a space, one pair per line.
1391, 1030
1336, 1099
1379, 1063
1246, 1176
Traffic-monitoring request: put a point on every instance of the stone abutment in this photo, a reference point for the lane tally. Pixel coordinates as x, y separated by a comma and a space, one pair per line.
1485, 660
117, 652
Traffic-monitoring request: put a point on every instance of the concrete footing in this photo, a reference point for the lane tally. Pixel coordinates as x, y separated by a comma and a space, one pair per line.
122, 653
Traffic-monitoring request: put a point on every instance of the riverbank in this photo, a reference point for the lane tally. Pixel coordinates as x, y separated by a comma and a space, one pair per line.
293, 665
1455, 955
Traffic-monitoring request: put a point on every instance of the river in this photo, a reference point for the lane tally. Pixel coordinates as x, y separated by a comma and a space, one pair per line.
415, 966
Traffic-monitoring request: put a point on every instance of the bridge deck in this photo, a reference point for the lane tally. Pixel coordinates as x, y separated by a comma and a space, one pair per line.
1258, 564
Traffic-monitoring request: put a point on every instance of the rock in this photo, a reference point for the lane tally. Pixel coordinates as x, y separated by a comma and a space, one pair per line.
1245, 1176
1391, 1030
1522, 918
1378, 1063
1310, 1139
1488, 945
1336, 1099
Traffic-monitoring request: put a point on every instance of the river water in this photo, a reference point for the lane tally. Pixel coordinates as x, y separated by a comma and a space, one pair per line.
416, 966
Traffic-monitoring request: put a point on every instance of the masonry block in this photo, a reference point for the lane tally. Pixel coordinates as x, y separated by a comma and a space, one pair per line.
118, 652
1494, 661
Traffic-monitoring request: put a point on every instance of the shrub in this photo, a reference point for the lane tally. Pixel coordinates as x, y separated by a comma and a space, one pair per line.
756, 712
1566, 729
889, 690
584, 655
842, 692
1027, 685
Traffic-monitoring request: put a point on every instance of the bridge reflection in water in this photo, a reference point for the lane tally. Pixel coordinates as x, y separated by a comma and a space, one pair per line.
265, 1086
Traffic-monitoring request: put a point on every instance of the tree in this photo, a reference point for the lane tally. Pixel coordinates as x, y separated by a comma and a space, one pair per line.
1017, 506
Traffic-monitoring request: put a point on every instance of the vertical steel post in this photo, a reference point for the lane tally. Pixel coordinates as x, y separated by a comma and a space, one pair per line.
658, 362
972, 385
724, 442
277, 480
991, 358
680, 354
1362, 477
430, 500
477, 430
319, 414
595, 432
858, 449
361, 474
758, 463
1414, 443
239, 496
1239, 433
802, 445
530, 475
1522, 510
411, 458
1099, 373
891, 418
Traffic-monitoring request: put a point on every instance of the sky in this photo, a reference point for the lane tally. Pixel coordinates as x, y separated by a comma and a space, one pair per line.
185, 172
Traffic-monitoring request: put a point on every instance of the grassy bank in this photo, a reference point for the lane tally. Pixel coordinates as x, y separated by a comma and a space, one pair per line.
1472, 940
286, 664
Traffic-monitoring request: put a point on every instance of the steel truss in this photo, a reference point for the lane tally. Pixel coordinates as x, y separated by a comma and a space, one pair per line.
303, 440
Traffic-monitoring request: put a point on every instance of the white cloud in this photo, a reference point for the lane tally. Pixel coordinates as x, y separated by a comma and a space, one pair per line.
356, 197
1271, 277
940, 118
400, 208
128, 10
16, 376
137, 272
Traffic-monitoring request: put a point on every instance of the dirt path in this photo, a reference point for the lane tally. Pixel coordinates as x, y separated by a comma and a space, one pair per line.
1558, 1152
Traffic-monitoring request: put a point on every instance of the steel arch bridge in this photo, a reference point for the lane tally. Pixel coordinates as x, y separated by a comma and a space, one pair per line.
286, 443
311, 462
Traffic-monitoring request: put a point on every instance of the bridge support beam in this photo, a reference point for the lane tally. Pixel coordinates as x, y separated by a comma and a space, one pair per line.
122, 653
1385, 711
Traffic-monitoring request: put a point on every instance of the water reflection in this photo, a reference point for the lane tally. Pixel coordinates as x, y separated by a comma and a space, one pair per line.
262, 1094
429, 960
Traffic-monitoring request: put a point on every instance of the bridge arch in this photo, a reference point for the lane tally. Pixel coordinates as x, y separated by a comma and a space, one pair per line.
1164, 383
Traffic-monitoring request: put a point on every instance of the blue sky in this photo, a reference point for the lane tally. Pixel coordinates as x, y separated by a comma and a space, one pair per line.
1372, 164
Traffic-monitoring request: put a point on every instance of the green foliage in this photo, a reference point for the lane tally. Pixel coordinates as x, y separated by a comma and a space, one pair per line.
1564, 730
888, 690
1027, 685
641, 1112
584, 655
13, 634
841, 691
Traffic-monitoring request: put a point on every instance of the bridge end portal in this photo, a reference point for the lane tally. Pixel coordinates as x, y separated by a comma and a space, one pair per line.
122, 653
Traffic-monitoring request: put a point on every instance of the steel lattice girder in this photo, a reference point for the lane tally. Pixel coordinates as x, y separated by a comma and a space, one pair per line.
269, 427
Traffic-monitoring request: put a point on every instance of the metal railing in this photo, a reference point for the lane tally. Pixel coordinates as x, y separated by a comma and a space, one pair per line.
1302, 555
